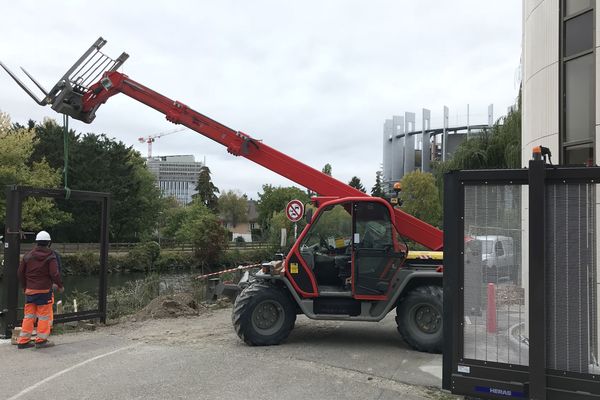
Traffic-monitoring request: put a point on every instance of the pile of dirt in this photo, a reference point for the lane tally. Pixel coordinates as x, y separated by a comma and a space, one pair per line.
510, 295
222, 302
170, 306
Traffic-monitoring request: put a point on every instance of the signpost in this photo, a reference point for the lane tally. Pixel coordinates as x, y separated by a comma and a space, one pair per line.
295, 211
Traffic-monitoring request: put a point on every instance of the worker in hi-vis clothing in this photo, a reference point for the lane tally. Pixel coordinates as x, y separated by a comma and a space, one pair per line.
39, 274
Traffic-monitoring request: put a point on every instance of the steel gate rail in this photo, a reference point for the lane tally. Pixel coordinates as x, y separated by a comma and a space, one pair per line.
15, 196
531, 330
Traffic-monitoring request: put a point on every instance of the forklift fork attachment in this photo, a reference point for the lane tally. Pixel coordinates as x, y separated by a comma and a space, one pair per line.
66, 96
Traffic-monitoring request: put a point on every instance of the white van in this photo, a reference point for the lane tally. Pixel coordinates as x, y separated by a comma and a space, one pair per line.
498, 259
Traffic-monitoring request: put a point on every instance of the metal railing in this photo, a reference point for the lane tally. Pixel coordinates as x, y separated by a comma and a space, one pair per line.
71, 248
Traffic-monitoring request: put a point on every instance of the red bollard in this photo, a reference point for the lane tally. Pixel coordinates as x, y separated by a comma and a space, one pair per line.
491, 308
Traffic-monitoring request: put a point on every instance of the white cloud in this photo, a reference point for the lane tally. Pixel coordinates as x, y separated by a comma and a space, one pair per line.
313, 79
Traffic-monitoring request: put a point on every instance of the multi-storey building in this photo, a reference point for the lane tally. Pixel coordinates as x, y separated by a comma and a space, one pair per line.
176, 176
561, 111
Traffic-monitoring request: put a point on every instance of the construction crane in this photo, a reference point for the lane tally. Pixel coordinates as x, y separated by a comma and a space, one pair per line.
151, 138
350, 262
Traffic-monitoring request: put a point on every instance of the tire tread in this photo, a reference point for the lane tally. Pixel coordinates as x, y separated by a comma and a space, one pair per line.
430, 291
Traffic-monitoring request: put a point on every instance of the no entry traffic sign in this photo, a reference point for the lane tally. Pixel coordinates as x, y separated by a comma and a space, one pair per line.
294, 210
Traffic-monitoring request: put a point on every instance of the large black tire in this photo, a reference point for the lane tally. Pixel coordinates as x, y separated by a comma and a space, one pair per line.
263, 315
419, 318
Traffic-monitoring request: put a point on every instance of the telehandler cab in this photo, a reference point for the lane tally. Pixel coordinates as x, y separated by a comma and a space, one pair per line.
350, 262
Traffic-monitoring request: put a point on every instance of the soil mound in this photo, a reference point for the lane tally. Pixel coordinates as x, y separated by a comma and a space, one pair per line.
170, 306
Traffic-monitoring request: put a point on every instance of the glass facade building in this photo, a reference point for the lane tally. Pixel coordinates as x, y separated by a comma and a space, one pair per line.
175, 176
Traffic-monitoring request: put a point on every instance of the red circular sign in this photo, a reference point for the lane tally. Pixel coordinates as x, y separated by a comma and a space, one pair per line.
294, 210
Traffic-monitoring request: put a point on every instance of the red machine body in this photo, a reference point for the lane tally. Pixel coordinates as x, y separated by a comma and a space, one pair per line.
241, 144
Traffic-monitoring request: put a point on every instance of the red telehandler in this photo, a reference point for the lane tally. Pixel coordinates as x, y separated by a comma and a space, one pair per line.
351, 262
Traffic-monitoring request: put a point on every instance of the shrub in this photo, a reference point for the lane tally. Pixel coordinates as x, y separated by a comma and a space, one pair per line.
133, 296
85, 301
234, 257
230, 258
142, 257
173, 261
86, 263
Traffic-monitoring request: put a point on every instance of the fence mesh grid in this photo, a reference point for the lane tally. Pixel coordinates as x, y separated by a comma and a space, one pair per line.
571, 278
495, 323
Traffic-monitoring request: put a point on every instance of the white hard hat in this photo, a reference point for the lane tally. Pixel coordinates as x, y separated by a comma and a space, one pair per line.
42, 236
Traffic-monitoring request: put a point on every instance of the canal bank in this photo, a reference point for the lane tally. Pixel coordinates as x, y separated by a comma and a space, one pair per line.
127, 292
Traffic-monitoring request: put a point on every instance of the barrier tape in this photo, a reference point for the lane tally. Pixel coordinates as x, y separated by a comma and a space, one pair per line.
239, 268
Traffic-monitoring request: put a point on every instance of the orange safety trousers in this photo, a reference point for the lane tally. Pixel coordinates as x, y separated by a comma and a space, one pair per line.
44, 315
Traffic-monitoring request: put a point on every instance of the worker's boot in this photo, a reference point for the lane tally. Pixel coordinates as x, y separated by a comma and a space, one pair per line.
44, 344
25, 345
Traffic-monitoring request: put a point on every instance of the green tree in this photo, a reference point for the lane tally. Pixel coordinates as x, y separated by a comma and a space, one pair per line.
202, 228
173, 217
207, 191
279, 221
357, 184
327, 169
377, 190
50, 143
420, 197
16, 146
498, 148
98, 163
163, 233
274, 199
233, 207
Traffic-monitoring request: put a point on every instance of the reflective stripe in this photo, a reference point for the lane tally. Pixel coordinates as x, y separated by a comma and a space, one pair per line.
43, 335
25, 334
43, 317
29, 316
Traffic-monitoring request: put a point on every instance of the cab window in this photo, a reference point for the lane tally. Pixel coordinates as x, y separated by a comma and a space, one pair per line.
331, 232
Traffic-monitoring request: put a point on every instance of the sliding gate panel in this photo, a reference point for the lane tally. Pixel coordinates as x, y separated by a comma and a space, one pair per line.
485, 307
495, 313
521, 279
571, 278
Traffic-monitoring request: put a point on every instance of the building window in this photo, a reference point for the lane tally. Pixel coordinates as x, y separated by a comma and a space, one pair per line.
578, 82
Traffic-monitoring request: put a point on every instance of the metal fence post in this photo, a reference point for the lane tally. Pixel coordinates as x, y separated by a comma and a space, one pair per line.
453, 211
103, 287
12, 250
537, 281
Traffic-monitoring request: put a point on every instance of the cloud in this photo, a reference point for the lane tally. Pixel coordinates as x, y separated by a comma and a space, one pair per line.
312, 79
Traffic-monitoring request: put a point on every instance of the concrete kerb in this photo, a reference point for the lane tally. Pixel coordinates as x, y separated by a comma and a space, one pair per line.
514, 334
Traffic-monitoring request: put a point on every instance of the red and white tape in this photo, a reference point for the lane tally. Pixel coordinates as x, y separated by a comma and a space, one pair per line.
240, 268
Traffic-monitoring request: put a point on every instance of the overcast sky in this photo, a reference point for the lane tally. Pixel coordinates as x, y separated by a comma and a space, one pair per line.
313, 79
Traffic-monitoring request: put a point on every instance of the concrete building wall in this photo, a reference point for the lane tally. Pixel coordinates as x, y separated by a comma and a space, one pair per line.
426, 140
540, 76
542, 96
398, 148
409, 142
387, 150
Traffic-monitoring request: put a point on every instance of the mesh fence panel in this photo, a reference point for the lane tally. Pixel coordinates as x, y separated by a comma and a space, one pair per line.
571, 278
495, 323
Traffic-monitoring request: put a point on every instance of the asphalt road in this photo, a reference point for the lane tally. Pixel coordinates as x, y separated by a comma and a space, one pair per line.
202, 358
